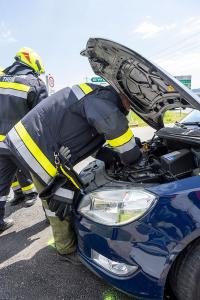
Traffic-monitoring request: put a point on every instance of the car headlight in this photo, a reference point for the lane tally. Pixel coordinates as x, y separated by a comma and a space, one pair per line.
116, 207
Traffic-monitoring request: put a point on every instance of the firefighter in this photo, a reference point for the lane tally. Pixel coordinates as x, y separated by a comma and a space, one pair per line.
80, 120
21, 89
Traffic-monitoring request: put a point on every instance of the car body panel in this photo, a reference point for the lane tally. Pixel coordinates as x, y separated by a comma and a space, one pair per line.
150, 89
152, 243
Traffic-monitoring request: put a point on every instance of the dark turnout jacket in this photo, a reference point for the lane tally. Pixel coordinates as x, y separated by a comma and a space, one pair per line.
20, 91
83, 118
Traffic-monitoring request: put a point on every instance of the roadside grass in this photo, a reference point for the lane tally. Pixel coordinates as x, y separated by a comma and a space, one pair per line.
169, 117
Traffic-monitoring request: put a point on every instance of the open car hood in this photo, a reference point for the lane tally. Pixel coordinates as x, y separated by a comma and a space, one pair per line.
150, 89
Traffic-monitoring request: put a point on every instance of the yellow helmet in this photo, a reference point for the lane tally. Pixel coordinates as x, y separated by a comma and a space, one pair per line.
30, 58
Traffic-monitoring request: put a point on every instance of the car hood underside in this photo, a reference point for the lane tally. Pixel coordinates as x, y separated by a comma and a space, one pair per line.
151, 90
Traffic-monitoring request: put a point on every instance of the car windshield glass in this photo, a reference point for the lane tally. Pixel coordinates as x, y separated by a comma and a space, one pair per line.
193, 117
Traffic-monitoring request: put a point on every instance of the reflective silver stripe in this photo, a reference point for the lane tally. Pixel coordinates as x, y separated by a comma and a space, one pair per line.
15, 188
3, 145
27, 156
3, 198
33, 190
12, 92
50, 213
64, 193
126, 147
78, 92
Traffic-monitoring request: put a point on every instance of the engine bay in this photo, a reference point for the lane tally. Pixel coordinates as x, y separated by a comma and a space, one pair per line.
172, 153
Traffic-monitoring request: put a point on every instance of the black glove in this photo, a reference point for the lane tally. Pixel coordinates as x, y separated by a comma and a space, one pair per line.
64, 154
138, 142
108, 156
61, 206
61, 209
132, 156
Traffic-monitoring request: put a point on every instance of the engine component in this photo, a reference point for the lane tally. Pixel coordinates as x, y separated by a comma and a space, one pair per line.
182, 135
94, 176
178, 163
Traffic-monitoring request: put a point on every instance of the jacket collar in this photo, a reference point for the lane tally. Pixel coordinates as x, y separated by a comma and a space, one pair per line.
19, 69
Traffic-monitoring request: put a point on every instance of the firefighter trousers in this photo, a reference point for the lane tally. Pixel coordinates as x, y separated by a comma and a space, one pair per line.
8, 168
23, 182
63, 233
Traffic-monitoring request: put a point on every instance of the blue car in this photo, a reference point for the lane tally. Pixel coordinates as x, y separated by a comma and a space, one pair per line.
138, 227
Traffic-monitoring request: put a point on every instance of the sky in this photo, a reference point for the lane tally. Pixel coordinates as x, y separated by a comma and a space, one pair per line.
166, 32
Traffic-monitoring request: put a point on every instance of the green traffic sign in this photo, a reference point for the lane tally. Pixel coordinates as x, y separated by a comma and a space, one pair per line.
186, 83
97, 79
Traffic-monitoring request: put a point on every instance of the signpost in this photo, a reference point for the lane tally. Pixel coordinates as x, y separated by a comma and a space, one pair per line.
50, 84
51, 81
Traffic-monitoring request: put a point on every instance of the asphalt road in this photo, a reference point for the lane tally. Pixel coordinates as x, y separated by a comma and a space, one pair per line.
30, 268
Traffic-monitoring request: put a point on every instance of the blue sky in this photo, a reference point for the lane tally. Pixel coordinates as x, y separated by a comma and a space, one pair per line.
167, 32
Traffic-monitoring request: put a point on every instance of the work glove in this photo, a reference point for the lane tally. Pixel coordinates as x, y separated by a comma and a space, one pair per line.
108, 156
61, 209
61, 206
138, 142
64, 154
132, 156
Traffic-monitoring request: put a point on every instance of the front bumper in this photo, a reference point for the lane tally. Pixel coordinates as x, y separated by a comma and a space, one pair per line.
135, 244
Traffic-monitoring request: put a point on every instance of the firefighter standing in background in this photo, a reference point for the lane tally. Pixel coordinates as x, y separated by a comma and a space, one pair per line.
80, 120
21, 89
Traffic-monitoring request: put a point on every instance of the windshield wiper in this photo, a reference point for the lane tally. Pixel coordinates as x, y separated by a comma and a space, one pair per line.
182, 125
197, 123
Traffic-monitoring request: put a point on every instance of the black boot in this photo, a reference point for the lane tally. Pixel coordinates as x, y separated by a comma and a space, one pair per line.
5, 224
70, 258
30, 199
18, 198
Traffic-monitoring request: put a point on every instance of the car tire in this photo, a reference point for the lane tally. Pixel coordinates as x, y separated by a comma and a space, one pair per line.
185, 274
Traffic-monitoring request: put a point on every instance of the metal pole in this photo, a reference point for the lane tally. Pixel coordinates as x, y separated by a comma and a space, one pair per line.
47, 83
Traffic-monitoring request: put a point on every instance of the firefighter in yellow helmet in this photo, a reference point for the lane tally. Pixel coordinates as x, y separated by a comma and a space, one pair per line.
21, 89
30, 58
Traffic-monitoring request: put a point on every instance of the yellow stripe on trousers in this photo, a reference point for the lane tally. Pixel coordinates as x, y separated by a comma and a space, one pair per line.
2, 137
29, 187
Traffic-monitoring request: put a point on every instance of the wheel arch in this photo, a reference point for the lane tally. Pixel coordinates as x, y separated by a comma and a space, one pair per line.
176, 261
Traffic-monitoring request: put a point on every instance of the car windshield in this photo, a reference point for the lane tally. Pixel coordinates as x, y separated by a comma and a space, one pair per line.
193, 117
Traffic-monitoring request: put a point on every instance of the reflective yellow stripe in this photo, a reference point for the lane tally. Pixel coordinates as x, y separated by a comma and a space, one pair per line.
29, 187
2, 137
35, 150
70, 178
121, 140
14, 184
14, 86
85, 88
